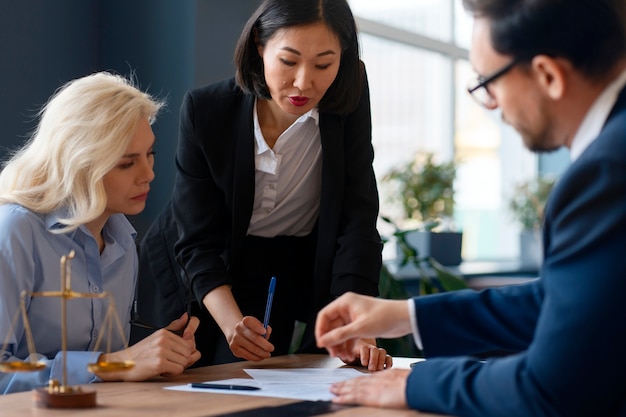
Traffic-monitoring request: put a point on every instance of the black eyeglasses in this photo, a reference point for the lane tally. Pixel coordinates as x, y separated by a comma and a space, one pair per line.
480, 91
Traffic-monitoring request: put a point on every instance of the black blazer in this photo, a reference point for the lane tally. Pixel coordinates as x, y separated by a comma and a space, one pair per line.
214, 193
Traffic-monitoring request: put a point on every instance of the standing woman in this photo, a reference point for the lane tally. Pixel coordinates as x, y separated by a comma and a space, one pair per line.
274, 178
88, 164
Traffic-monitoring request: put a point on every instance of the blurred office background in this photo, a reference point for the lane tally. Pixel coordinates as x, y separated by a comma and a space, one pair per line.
416, 53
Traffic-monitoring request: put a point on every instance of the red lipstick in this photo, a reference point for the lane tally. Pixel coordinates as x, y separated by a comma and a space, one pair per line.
298, 100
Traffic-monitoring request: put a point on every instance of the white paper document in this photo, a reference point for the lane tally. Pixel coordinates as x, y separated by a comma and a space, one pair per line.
311, 384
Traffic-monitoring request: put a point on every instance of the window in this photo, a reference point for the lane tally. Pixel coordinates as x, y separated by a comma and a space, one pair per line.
416, 55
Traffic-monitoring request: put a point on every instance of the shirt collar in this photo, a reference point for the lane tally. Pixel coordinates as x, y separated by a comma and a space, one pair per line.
52, 219
596, 117
261, 145
117, 227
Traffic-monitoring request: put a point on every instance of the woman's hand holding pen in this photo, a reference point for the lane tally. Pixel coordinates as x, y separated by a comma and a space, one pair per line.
249, 340
186, 326
161, 353
245, 335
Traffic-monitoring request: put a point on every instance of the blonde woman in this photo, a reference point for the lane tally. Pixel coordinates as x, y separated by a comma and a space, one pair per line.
87, 165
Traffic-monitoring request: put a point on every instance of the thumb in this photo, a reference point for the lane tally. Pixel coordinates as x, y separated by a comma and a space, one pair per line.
179, 323
337, 335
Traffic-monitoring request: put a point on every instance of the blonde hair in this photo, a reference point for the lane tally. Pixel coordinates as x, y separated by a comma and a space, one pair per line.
84, 130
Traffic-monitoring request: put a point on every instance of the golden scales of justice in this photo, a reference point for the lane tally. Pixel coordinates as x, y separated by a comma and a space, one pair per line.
59, 394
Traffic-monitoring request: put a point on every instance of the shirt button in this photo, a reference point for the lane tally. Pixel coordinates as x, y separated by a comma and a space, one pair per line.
272, 186
95, 289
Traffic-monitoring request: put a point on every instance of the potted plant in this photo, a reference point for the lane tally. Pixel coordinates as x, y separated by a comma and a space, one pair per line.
433, 278
425, 191
527, 206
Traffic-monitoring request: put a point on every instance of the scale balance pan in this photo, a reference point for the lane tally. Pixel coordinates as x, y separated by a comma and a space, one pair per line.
110, 366
19, 366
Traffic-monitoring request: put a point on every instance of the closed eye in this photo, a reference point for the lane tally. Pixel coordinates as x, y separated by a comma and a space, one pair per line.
132, 162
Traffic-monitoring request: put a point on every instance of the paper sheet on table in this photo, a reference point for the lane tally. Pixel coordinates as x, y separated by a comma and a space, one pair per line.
311, 384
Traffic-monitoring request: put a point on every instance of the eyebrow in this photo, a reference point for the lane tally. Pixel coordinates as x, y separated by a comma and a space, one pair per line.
295, 51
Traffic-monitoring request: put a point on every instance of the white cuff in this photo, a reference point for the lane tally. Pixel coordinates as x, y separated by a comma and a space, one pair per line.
413, 318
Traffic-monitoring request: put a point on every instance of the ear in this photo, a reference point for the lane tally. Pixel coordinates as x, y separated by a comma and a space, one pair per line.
550, 74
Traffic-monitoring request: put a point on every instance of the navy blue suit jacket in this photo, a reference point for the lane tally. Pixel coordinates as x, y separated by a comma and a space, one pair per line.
567, 330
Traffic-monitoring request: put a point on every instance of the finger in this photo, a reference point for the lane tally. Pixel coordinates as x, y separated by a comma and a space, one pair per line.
345, 392
192, 327
343, 351
253, 324
164, 340
322, 330
193, 358
367, 355
250, 354
361, 391
378, 362
248, 344
374, 358
332, 338
388, 361
178, 324
261, 339
324, 322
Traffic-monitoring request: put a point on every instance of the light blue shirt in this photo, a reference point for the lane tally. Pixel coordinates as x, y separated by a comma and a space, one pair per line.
29, 261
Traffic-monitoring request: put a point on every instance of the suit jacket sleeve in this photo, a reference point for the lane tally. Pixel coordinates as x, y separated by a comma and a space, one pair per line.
571, 320
212, 121
357, 249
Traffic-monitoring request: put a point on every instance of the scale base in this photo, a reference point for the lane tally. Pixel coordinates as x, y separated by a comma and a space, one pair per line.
63, 397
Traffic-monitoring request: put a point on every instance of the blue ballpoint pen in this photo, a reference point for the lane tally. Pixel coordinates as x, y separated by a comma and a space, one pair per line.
268, 306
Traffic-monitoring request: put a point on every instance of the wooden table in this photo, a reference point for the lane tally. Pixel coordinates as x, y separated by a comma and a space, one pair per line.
128, 399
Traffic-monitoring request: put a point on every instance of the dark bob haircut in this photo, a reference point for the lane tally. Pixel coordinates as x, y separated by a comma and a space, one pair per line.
272, 15
590, 34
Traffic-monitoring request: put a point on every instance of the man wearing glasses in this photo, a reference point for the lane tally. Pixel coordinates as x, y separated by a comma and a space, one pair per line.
557, 71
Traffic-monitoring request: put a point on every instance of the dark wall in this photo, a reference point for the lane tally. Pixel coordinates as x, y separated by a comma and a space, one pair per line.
170, 45
42, 45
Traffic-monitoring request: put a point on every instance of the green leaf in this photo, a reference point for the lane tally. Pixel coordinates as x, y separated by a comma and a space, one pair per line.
448, 281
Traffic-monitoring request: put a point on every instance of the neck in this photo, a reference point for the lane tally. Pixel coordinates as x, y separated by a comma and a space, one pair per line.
584, 95
273, 117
